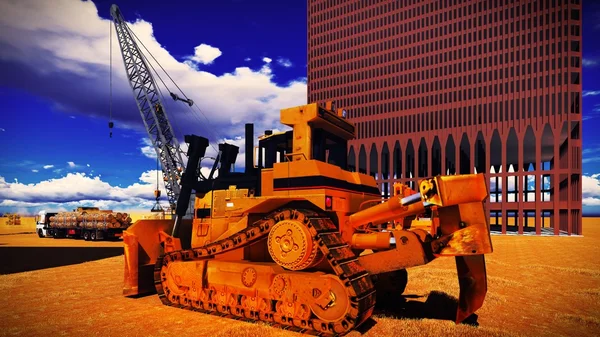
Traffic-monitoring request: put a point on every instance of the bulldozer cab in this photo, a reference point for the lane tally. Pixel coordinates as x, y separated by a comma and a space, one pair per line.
319, 133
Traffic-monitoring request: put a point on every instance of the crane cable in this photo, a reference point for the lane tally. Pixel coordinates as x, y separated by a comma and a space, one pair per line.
110, 122
209, 129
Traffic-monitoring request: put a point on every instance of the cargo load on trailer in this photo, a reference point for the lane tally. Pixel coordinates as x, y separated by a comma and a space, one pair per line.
89, 223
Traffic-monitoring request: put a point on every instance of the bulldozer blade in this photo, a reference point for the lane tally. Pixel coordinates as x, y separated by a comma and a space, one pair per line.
142, 248
472, 280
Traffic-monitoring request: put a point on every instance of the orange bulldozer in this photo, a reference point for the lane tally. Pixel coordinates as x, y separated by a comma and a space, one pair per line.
288, 241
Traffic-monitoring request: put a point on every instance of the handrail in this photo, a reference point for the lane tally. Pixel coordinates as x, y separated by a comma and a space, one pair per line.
295, 154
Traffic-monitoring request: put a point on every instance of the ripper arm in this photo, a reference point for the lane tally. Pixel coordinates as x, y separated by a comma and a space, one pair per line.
463, 232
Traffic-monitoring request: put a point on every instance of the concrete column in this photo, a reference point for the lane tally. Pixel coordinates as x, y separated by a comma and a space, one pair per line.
555, 183
520, 184
504, 182
537, 172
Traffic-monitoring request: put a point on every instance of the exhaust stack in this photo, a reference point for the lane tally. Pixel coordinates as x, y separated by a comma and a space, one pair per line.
249, 142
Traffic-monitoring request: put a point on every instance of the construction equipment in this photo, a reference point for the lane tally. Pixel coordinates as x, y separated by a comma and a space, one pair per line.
148, 99
285, 241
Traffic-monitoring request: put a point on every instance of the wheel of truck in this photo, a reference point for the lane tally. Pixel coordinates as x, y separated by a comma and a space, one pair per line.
389, 287
93, 236
40, 233
86, 235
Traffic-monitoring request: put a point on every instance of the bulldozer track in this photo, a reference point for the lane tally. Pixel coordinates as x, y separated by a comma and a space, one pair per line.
341, 258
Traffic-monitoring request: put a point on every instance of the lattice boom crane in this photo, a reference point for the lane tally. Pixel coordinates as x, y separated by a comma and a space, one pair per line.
151, 107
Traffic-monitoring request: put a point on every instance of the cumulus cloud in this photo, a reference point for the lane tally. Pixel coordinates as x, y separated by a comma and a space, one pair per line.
67, 61
71, 164
78, 189
79, 186
205, 54
284, 62
591, 190
267, 60
247, 59
147, 149
48, 166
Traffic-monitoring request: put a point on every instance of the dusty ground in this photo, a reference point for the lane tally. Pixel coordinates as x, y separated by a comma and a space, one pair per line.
538, 286
33, 240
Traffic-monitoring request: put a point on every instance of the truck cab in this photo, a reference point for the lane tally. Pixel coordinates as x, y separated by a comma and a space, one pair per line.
42, 223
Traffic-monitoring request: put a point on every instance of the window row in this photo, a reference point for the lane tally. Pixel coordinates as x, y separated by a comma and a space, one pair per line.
381, 31
436, 93
445, 77
427, 14
326, 56
496, 112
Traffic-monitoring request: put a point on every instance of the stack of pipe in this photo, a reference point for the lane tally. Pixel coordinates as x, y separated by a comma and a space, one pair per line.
95, 220
14, 219
64, 220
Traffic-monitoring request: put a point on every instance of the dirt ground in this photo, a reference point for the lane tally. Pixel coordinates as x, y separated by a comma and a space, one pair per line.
33, 240
537, 286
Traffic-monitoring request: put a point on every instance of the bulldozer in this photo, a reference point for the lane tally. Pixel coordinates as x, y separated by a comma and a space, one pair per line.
299, 241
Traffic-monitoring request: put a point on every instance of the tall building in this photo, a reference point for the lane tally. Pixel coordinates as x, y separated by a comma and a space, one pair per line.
445, 87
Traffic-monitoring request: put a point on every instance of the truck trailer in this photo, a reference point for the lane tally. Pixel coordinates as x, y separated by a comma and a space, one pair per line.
89, 223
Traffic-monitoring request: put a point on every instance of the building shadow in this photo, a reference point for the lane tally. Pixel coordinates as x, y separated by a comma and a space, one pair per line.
438, 305
20, 259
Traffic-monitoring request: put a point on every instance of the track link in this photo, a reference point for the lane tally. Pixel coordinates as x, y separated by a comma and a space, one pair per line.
338, 253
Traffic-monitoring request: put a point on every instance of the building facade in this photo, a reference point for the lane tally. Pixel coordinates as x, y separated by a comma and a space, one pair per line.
453, 87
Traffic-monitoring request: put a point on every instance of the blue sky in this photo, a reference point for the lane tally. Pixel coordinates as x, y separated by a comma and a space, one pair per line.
239, 60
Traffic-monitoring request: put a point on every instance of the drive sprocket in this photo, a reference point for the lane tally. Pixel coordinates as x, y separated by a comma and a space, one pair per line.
291, 245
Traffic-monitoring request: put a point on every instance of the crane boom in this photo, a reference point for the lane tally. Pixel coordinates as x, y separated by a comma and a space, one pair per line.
151, 107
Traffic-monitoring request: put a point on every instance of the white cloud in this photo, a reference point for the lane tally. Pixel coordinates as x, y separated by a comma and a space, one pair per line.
72, 117
39, 38
247, 59
148, 149
88, 165
2, 129
284, 62
590, 93
35, 171
590, 202
590, 186
71, 164
590, 160
79, 186
588, 63
77, 189
48, 166
205, 54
